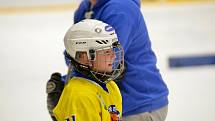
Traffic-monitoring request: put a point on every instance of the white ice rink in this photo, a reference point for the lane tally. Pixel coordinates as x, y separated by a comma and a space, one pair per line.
31, 48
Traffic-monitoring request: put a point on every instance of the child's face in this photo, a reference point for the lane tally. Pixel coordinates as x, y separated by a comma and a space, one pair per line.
104, 60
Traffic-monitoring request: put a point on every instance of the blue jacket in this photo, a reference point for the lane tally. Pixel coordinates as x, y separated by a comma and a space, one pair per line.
142, 87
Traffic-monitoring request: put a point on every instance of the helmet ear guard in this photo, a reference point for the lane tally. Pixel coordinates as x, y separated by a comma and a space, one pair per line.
92, 54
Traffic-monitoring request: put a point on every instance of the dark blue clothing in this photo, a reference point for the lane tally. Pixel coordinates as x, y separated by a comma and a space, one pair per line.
142, 87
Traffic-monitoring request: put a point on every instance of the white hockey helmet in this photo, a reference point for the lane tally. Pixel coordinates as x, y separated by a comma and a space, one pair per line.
89, 36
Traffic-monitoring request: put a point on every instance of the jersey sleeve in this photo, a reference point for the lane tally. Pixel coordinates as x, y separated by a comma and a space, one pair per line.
126, 20
77, 107
121, 20
123, 28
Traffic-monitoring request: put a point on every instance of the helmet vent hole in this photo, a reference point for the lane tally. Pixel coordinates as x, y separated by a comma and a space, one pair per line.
105, 42
99, 42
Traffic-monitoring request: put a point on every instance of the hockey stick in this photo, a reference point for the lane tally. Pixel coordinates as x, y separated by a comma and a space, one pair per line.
193, 60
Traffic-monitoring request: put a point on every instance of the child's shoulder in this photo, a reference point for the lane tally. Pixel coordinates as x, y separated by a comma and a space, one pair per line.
79, 84
112, 84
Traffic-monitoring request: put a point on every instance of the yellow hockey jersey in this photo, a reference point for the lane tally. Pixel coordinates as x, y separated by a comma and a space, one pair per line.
85, 100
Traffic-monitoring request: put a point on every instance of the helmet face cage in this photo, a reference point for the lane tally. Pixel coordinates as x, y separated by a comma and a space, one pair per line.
114, 57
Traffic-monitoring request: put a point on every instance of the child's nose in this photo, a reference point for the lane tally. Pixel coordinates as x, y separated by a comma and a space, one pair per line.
113, 54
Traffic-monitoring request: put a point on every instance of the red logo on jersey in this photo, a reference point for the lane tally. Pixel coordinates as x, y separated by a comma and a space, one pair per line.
114, 113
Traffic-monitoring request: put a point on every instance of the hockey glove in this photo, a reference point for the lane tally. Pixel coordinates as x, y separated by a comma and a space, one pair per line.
54, 88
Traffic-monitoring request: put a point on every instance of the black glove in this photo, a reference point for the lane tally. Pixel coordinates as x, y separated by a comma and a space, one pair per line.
54, 88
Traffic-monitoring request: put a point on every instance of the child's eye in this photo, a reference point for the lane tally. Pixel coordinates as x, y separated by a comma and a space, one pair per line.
107, 52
